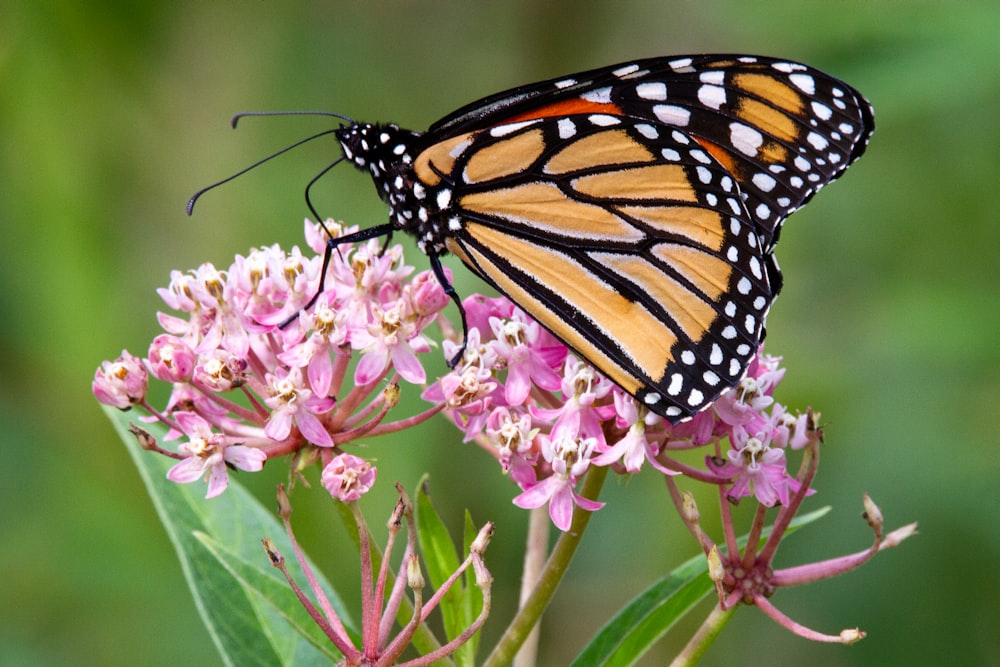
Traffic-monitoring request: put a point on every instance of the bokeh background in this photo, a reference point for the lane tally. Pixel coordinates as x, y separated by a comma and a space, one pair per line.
113, 113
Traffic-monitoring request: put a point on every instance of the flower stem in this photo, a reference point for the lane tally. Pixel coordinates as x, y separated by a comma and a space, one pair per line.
704, 637
555, 568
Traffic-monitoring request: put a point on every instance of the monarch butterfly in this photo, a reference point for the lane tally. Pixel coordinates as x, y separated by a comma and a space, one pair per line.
632, 210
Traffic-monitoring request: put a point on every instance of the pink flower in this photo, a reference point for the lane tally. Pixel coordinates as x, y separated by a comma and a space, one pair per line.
348, 477
569, 459
757, 468
121, 383
635, 447
293, 402
209, 453
391, 336
517, 342
170, 359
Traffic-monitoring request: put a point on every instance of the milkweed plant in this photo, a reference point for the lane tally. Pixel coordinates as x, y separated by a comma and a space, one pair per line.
254, 378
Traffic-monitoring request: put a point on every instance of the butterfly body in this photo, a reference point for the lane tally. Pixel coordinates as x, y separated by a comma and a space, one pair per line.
631, 210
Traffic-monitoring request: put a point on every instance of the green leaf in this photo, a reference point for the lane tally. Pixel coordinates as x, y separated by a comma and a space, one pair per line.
441, 558
473, 596
644, 620
251, 614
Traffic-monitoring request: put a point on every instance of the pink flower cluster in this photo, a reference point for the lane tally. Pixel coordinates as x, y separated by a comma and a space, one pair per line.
547, 417
247, 388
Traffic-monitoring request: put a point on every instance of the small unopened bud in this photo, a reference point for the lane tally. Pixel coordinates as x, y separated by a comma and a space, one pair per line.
851, 635
872, 513
716, 570
396, 518
414, 577
277, 560
284, 504
482, 540
145, 438
895, 537
689, 508
391, 395
813, 424
305, 458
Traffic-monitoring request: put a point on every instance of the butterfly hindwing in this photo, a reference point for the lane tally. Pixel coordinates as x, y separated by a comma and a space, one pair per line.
623, 238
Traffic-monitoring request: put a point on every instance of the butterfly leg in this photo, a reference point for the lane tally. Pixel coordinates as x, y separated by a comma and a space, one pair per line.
450, 291
334, 242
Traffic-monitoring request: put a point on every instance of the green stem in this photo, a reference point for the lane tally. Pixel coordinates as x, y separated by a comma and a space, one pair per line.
531, 611
704, 637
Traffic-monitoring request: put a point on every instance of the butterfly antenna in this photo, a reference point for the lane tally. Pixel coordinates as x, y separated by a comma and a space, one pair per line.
236, 119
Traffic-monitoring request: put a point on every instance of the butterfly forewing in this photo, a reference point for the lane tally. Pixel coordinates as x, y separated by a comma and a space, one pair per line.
783, 129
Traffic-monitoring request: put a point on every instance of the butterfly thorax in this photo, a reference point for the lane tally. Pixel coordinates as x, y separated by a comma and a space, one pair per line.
386, 153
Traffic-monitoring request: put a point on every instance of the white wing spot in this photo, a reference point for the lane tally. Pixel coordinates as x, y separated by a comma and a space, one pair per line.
764, 182
566, 128
676, 384
599, 96
745, 139
715, 357
498, 131
687, 357
803, 82
712, 97
444, 198
647, 131
625, 71
672, 115
603, 119
696, 398
822, 111
700, 156
817, 141
652, 90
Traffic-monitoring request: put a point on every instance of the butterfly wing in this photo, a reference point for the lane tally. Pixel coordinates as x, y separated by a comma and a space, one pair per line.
624, 238
782, 129
633, 209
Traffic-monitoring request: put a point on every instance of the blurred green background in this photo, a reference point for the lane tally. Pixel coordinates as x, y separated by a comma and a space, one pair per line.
113, 113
